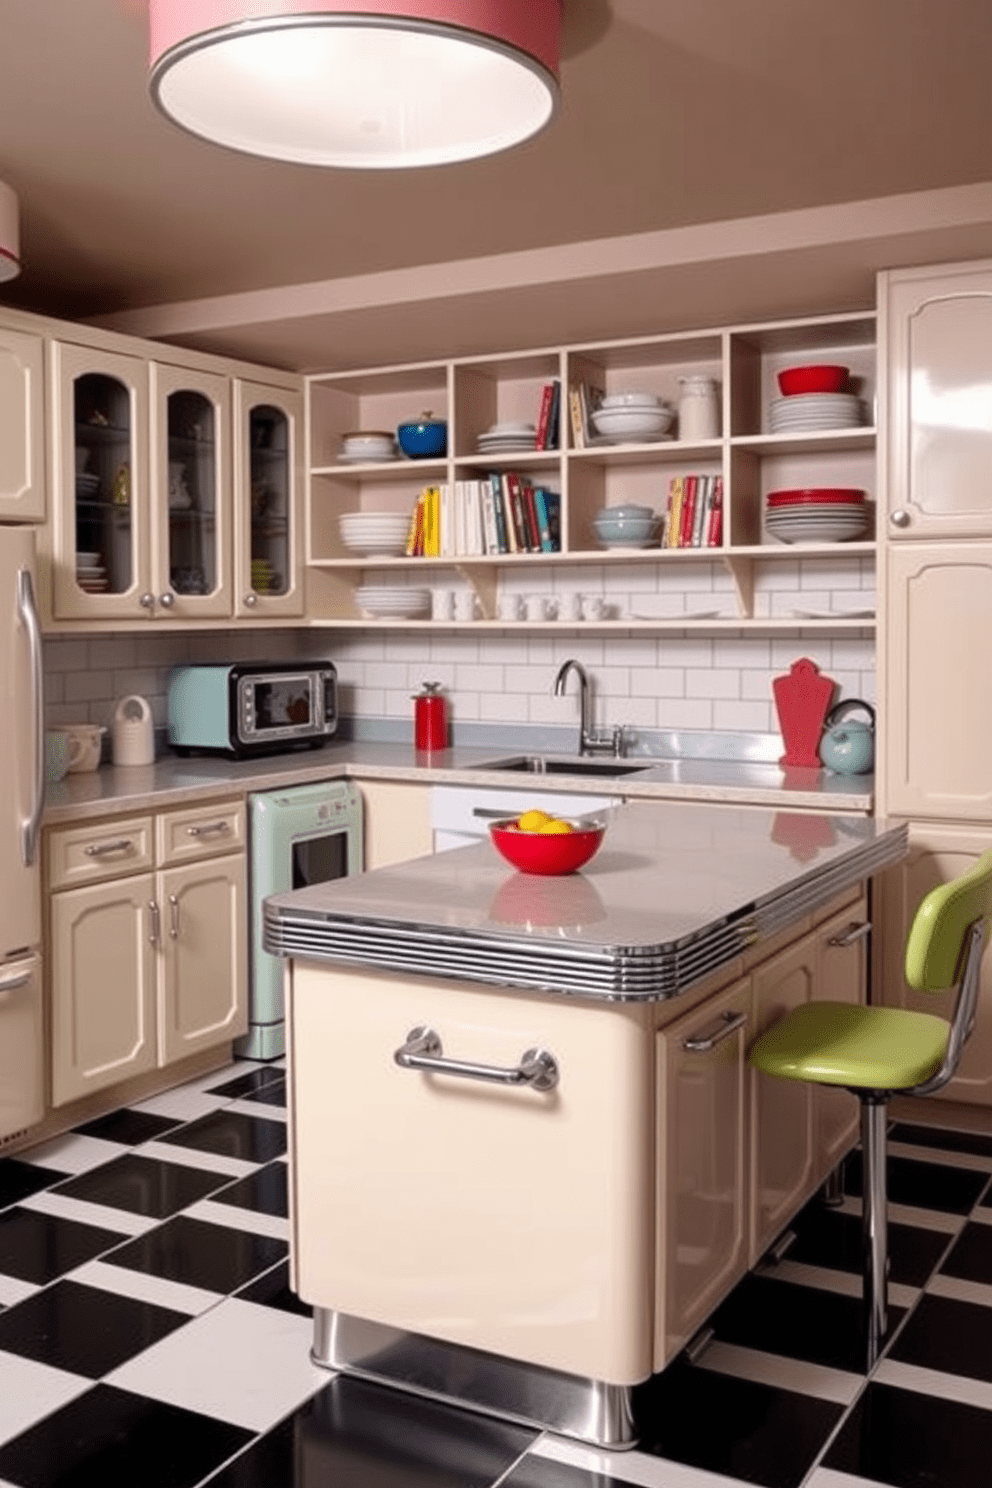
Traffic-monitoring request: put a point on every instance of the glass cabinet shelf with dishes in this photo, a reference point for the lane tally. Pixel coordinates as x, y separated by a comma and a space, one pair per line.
657, 450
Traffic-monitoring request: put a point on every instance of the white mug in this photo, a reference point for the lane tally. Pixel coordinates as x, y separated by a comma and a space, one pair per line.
442, 604
84, 745
536, 607
508, 607
593, 607
569, 606
464, 604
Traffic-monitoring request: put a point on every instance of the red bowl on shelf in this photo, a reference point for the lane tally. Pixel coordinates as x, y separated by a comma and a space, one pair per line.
816, 496
822, 378
546, 852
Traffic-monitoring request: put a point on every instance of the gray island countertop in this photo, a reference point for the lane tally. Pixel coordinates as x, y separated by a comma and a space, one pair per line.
671, 896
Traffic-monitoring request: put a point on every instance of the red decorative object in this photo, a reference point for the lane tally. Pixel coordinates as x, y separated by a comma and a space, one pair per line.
802, 700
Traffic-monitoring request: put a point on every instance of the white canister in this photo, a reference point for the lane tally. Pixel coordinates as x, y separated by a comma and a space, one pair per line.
699, 408
133, 734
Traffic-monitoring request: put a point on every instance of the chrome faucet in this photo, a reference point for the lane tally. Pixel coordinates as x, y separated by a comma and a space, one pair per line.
590, 742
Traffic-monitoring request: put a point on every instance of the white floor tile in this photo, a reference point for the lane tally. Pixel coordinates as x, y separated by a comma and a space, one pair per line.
29, 1391
242, 1363
73, 1153
784, 1374
827, 1477
64, 1207
144, 1287
194, 1157
631, 1467
233, 1218
978, 1161
183, 1103
843, 1283
960, 1290
933, 1382
13, 1290
922, 1219
257, 1109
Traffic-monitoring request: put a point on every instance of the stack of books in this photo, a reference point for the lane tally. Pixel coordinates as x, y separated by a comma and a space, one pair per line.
501, 513
583, 400
694, 512
549, 416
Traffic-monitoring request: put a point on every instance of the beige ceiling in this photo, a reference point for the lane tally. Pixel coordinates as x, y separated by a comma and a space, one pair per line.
678, 117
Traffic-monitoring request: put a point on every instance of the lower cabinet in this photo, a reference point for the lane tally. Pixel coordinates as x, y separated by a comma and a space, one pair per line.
148, 943
397, 823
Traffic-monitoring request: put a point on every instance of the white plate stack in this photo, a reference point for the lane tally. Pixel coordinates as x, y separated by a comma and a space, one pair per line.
507, 438
806, 413
392, 603
374, 534
816, 515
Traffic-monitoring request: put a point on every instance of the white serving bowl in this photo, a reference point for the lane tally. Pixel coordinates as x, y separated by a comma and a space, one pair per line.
374, 533
372, 444
622, 424
631, 400
626, 526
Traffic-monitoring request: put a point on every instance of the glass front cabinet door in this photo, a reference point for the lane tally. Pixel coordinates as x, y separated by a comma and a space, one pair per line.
192, 540
268, 501
100, 563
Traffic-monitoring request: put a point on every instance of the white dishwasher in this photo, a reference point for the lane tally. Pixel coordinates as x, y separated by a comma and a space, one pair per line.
460, 814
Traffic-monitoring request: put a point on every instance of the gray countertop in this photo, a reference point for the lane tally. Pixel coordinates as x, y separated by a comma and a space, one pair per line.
172, 781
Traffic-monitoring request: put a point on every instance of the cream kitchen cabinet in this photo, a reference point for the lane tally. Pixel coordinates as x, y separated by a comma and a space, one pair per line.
147, 943
22, 428
936, 330
268, 477
842, 976
938, 852
397, 822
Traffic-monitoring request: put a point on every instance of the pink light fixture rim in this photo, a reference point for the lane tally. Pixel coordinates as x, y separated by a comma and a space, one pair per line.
10, 243
527, 32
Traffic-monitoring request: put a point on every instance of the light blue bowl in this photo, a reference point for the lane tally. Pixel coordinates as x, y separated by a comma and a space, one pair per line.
425, 440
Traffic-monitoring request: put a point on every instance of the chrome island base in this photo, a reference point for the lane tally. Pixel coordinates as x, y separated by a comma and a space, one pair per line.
589, 1410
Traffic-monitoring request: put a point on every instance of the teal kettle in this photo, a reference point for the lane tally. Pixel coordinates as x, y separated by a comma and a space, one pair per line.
848, 748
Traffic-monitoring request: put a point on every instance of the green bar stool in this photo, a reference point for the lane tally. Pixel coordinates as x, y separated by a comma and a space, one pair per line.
878, 1052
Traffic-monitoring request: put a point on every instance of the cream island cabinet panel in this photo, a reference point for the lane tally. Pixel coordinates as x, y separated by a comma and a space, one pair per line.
147, 960
397, 822
22, 429
937, 695
937, 328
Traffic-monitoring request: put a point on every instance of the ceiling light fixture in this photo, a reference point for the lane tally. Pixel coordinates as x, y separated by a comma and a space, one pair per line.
374, 85
10, 246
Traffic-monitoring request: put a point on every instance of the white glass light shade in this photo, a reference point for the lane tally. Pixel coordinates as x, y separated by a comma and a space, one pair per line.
10, 247
373, 85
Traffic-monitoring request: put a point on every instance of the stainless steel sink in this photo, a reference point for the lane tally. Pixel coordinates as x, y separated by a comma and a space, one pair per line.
542, 764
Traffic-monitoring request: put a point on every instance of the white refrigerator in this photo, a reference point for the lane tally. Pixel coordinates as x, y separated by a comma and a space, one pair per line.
22, 785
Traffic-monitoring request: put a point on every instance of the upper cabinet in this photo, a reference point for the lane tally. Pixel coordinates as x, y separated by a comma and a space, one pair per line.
166, 506
937, 327
22, 429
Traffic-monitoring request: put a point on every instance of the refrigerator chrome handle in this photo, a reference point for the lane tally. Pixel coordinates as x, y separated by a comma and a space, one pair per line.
423, 1051
27, 610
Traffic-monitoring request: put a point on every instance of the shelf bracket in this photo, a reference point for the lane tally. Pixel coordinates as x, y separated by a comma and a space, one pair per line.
742, 572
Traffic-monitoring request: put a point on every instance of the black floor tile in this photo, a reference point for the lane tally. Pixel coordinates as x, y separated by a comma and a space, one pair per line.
732, 1426
144, 1185
251, 1138
19, 1180
198, 1254
269, 1095
242, 1085
114, 1439
358, 1435
909, 1440
939, 1137
797, 1322
128, 1127
832, 1239
39, 1247
265, 1191
950, 1336
83, 1329
970, 1257
273, 1290
924, 1185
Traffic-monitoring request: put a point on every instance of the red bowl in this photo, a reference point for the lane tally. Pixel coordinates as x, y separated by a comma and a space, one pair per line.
822, 496
819, 379
546, 852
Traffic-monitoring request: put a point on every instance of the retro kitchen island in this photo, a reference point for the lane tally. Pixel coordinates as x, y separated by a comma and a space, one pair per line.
528, 1156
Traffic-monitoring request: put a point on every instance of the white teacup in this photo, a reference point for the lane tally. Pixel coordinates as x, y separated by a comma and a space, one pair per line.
593, 607
508, 607
465, 604
569, 606
442, 604
84, 746
536, 607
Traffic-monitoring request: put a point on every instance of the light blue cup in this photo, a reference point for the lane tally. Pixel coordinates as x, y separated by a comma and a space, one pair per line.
58, 746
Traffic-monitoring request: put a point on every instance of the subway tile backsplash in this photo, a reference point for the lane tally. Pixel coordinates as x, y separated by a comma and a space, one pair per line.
677, 680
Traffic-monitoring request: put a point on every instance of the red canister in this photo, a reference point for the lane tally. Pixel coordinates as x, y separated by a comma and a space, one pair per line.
430, 718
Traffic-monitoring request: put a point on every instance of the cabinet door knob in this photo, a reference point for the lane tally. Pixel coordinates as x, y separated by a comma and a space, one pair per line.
147, 601
251, 600
167, 600
900, 518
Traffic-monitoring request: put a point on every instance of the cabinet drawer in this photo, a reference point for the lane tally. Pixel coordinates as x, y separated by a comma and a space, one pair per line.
199, 832
99, 850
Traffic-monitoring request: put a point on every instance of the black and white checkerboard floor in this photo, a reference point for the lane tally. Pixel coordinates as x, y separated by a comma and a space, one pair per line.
148, 1336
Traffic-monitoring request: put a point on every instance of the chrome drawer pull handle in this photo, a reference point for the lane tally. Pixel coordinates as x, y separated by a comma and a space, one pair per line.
217, 826
423, 1051
99, 849
729, 1023
11, 984
490, 814
173, 917
853, 932
155, 928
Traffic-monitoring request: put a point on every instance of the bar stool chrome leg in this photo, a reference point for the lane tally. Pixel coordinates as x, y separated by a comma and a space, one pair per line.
875, 1227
